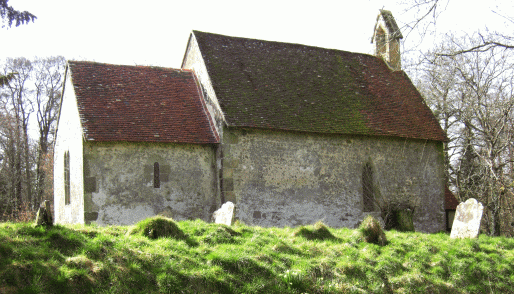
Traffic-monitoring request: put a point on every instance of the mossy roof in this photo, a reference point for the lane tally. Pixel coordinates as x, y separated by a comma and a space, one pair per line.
140, 104
273, 85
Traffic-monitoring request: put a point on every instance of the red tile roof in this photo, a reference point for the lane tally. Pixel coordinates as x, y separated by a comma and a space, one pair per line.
450, 202
274, 85
140, 104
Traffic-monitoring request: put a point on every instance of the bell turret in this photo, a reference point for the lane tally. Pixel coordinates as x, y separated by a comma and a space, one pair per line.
386, 37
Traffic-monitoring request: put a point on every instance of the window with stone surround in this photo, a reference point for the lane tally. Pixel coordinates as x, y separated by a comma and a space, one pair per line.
156, 173
156, 176
67, 190
368, 195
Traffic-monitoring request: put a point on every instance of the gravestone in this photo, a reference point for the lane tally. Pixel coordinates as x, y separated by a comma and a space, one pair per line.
467, 219
44, 215
225, 214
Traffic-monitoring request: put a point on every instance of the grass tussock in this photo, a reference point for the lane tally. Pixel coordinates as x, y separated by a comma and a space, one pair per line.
318, 232
198, 257
370, 231
157, 227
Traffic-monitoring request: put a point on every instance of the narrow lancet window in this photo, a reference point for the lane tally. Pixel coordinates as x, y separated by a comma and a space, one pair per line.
156, 176
368, 195
67, 190
381, 42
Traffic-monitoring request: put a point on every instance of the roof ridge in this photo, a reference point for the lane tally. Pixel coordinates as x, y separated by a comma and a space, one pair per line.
285, 43
132, 66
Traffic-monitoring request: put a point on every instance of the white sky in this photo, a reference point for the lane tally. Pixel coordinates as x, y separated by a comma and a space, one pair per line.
153, 32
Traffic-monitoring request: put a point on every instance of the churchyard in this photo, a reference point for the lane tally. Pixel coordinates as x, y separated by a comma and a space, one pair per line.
200, 257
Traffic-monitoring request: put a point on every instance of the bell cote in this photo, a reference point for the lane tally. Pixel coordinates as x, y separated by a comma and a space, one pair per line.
386, 39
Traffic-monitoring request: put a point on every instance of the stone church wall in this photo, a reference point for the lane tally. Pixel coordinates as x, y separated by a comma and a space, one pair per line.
120, 185
279, 178
68, 140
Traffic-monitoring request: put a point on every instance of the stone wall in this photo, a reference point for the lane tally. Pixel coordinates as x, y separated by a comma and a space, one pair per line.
119, 182
68, 139
193, 60
279, 178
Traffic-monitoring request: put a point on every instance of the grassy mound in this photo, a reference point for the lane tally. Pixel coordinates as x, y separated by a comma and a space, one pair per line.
158, 227
222, 234
247, 259
318, 232
370, 231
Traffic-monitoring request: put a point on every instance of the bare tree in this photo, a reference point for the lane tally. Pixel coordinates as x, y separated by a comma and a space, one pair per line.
48, 81
472, 96
11, 175
426, 14
25, 165
16, 102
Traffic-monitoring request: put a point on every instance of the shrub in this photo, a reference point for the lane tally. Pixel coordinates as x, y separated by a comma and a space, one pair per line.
157, 227
23, 214
371, 231
404, 220
400, 220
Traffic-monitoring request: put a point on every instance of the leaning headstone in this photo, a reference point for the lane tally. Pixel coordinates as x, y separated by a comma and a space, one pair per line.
467, 219
225, 214
44, 215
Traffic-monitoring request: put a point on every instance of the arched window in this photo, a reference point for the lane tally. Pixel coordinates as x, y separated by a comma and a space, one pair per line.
156, 176
368, 195
381, 42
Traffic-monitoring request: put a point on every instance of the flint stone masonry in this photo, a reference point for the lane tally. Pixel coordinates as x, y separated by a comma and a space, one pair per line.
281, 178
467, 219
125, 192
225, 214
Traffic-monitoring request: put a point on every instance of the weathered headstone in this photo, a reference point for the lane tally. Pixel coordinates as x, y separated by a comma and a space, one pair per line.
225, 214
44, 215
467, 219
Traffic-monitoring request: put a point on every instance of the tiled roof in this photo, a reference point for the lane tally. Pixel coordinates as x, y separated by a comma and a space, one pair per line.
450, 202
274, 85
140, 104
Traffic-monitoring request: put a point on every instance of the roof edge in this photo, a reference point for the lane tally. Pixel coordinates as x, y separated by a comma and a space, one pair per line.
61, 100
187, 49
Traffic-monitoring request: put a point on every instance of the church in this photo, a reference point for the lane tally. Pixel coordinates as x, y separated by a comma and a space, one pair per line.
291, 134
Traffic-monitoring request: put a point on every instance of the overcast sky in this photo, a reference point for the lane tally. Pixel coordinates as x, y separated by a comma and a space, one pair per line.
155, 32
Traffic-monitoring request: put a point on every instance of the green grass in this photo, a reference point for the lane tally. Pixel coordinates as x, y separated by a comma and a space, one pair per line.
198, 257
